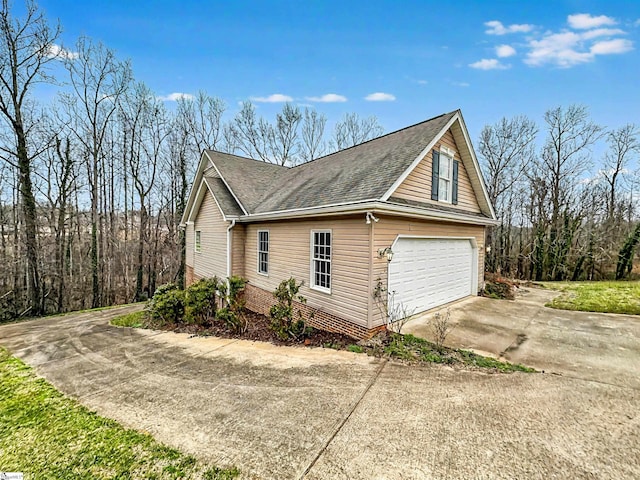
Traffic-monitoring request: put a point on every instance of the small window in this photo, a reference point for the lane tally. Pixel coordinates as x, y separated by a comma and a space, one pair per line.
445, 174
197, 242
321, 260
263, 252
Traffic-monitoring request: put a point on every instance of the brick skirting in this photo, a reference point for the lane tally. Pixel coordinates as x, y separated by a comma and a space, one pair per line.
260, 301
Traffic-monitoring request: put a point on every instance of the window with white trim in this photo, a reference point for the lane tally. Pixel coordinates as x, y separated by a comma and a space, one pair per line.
445, 173
321, 260
263, 252
197, 241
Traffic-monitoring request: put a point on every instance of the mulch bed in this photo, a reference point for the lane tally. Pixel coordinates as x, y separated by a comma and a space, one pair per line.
258, 329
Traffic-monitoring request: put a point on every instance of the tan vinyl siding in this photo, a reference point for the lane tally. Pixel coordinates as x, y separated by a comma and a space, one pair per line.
388, 229
190, 245
417, 186
237, 248
290, 256
212, 259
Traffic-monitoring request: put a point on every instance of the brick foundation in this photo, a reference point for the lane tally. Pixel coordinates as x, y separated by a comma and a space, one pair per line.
260, 301
190, 277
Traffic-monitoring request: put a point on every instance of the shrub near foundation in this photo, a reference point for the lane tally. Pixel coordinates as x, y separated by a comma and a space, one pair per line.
167, 304
200, 301
287, 321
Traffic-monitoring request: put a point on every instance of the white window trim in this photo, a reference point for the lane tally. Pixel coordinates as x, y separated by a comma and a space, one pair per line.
197, 241
450, 154
266, 274
312, 277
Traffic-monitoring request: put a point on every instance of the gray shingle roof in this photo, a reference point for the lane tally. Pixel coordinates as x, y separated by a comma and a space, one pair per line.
363, 172
227, 203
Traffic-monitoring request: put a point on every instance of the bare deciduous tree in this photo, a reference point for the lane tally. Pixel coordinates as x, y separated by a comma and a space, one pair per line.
26, 47
352, 130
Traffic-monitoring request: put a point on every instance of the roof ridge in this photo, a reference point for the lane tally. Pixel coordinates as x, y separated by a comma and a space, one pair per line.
373, 139
246, 158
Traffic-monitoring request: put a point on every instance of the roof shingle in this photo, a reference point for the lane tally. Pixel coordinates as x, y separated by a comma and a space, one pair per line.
363, 172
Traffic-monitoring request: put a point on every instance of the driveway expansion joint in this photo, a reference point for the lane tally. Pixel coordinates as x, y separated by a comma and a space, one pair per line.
373, 380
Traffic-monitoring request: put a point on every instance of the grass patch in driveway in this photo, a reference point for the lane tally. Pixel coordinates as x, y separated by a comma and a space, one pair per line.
133, 320
47, 435
604, 297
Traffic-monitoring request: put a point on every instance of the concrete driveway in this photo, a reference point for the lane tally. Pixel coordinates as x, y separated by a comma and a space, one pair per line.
594, 346
289, 413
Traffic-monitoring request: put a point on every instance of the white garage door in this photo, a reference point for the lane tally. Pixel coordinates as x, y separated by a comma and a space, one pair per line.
428, 272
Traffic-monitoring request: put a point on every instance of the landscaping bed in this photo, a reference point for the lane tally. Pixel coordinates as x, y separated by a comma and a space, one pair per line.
405, 348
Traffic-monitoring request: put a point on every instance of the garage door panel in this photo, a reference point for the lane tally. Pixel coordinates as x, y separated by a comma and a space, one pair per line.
425, 273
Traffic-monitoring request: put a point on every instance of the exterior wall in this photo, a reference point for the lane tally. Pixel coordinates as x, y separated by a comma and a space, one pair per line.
417, 186
237, 249
290, 256
388, 228
189, 234
212, 259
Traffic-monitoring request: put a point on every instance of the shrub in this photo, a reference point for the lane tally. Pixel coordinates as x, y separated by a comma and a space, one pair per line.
232, 315
441, 327
167, 304
200, 301
286, 321
498, 287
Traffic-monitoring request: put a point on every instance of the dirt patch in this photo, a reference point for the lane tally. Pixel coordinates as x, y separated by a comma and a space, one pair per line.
520, 339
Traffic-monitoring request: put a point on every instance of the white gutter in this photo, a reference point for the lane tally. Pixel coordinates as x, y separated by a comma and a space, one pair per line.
229, 246
372, 206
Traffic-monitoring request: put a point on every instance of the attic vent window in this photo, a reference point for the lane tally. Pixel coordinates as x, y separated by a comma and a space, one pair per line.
444, 176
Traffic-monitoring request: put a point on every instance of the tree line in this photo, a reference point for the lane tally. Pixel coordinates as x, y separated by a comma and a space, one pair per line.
94, 182
564, 215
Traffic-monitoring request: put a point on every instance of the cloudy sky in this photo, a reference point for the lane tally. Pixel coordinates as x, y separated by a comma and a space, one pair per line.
401, 61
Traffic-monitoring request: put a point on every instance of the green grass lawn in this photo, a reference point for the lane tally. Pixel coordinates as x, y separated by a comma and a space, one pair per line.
607, 297
134, 320
47, 435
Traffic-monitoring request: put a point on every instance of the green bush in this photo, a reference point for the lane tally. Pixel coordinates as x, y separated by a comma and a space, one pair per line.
286, 321
200, 301
167, 305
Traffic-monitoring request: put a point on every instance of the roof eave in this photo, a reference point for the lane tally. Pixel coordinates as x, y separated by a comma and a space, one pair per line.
374, 206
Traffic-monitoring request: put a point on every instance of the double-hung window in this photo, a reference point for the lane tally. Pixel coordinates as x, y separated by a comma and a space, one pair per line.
197, 242
263, 252
321, 260
445, 174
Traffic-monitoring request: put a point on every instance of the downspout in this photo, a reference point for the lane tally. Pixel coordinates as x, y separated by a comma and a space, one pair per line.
229, 247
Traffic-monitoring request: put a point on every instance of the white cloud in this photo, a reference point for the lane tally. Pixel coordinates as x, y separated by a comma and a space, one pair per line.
56, 51
461, 84
585, 21
175, 96
504, 51
489, 64
422, 82
611, 47
328, 98
497, 28
567, 49
601, 32
274, 98
380, 97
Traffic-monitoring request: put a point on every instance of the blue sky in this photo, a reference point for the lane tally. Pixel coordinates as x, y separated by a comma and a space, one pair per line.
420, 58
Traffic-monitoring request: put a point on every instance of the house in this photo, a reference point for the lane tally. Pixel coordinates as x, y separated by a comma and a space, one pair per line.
405, 212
